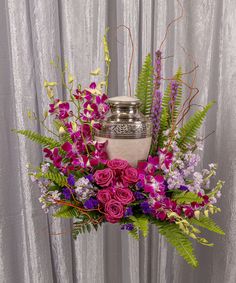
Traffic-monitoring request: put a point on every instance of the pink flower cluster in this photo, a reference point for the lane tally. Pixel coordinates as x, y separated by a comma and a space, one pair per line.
115, 194
81, 150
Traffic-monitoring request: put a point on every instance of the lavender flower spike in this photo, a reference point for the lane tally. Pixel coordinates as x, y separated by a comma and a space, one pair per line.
157, 98
174, 92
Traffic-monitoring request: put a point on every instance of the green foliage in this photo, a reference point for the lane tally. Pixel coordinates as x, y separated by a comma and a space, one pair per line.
144, 89
82, 226
55, 177
186, 197
66, 212
208, 224
140, 224
166, 117
44, 141
65, 136
189, 130
178, 78
180, 241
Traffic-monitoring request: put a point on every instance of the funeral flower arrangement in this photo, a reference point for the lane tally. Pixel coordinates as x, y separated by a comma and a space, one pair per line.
78, 180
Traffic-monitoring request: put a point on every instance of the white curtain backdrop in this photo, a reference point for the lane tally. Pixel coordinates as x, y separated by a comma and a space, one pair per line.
33, 32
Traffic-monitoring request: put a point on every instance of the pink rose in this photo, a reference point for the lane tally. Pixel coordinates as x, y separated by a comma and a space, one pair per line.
104, 195
103, 177
130, 175
124, 195
114, 211
117, 164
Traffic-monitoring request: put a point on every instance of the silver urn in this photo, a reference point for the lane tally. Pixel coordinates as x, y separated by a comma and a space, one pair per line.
127, 130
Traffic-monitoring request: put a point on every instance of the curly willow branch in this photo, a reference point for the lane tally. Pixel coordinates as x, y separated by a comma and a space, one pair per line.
132, 55
172, 22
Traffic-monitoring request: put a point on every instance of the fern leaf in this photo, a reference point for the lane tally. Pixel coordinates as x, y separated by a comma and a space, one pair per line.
79, 227
208, 224
178, 78
177, 239
66, 212
35, 137
144, 87
134, 233
186, 197
189, 130
55, 177
140, 223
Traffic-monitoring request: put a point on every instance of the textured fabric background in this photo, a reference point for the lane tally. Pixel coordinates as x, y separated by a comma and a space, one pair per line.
32, 32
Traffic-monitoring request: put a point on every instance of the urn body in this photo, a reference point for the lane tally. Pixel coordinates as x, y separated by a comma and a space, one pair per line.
127, 130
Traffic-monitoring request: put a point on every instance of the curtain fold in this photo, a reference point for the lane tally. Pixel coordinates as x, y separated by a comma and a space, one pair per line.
34, 247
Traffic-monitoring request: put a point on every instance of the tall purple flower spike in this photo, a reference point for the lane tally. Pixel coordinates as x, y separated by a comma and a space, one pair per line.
157, 98
174, 91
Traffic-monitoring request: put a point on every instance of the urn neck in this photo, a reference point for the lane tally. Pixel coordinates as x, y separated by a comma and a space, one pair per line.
129, 110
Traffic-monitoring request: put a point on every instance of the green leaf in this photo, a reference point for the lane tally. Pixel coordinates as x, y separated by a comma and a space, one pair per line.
144, 88
140, 223
186, 197
189, 131
55, 177
134, 233
44, 141
178, 240
178, 78
208, 224
66, 212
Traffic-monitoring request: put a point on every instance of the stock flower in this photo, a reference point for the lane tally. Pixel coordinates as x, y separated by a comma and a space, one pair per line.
84, 189
103, 177
130, 175
104, 195
124, 195
117, 164
114, 211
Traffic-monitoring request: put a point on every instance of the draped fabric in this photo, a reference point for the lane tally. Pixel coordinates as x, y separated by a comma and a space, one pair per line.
33, 246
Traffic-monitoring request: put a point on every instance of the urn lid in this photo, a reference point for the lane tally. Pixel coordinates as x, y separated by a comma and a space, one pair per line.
124, 101
124, 120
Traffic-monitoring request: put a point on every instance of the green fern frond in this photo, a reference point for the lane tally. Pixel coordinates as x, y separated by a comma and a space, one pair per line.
66, 212
35, 137
55, 177
164, 125
189, 130
65, 136
186, 197
177, 239
178, 78
140, 224
144, 89
134, 233
79, 228
208, 224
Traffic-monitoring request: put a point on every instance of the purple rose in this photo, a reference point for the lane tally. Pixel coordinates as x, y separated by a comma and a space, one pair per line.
130, 175
117, 164
124, 195
103, 177
104, 195
114, 211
